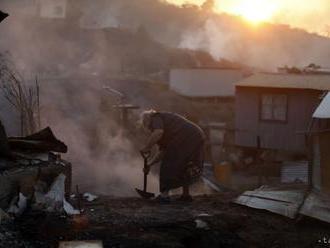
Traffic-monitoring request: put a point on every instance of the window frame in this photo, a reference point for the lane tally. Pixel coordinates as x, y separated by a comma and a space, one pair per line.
262, 94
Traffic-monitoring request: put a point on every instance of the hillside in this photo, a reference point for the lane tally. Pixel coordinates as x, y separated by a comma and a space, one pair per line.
141, 22
61, 49
224, 36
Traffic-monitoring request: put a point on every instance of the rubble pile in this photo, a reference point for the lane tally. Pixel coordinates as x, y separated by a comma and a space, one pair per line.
32, 174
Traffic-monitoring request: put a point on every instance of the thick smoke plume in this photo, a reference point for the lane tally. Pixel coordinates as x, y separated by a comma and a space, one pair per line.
104, 158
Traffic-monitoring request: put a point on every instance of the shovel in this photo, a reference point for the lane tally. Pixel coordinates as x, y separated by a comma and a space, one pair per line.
143, 193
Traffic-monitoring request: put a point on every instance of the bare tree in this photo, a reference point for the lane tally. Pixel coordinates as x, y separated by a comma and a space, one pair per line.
25, 99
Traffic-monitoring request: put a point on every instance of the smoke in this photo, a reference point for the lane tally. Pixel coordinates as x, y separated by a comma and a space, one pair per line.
64, 58
265, 47
112, 167
104, 158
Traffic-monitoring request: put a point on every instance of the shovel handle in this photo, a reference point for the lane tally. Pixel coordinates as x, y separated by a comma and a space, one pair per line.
145, 182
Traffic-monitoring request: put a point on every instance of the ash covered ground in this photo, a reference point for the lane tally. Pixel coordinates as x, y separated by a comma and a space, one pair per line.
134, 222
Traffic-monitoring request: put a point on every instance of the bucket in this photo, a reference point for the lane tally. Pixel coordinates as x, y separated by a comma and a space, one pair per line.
223, 173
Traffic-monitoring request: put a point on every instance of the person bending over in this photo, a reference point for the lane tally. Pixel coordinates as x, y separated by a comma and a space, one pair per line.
181, 145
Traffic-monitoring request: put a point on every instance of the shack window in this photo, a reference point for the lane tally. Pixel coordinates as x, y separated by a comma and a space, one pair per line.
58, 11
274, 107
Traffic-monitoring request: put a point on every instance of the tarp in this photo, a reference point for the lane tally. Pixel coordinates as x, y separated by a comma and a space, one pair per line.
323, 110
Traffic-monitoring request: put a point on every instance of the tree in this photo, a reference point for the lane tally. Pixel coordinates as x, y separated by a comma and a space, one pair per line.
23, 98
208, 5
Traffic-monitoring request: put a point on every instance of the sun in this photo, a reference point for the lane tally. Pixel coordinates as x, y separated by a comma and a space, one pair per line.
254, 11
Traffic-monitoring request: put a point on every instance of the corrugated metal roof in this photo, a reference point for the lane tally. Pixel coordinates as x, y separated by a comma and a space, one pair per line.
295, 81
205, 83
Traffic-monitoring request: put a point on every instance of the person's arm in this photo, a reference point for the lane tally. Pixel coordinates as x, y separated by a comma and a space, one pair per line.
157, 158
155, 136
157, 130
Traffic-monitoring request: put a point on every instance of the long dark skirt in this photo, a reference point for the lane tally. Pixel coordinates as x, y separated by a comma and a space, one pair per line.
182, 163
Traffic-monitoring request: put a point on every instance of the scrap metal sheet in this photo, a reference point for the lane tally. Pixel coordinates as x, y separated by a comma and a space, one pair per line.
323, 110
288, 203
317, 206
285, 203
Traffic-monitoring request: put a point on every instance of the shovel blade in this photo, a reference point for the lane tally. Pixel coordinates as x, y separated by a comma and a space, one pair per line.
144, 194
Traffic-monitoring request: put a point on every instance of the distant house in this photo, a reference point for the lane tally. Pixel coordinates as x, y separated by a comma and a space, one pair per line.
274, 110
204, 82
53, 9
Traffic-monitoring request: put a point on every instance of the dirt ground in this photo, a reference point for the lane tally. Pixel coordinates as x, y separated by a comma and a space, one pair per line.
133, 222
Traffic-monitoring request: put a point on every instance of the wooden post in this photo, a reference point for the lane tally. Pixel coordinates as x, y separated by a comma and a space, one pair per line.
309, 139
38, 103
259, 161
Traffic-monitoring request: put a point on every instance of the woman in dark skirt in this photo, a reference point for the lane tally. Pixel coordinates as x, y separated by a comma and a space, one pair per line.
181, 143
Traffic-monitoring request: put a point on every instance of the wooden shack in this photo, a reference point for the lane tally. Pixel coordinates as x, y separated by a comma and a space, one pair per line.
275, 109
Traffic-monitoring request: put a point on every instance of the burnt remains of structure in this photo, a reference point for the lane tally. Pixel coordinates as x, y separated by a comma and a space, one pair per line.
3, 16
29, 166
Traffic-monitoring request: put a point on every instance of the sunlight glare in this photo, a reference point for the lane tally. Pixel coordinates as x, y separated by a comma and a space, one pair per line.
254, 11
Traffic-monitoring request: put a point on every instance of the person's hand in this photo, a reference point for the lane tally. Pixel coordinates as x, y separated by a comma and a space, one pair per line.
145, 150
146, 170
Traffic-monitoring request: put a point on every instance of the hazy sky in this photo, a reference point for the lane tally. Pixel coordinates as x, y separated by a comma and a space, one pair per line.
312, 15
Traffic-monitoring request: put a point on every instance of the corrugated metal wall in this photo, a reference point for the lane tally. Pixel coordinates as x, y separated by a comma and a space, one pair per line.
273, 135
324, 139
294, 172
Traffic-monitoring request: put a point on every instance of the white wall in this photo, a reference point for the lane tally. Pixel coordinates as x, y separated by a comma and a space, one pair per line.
205, 82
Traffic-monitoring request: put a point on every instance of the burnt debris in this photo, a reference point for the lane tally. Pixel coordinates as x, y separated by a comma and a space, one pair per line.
30, 168
3, 15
